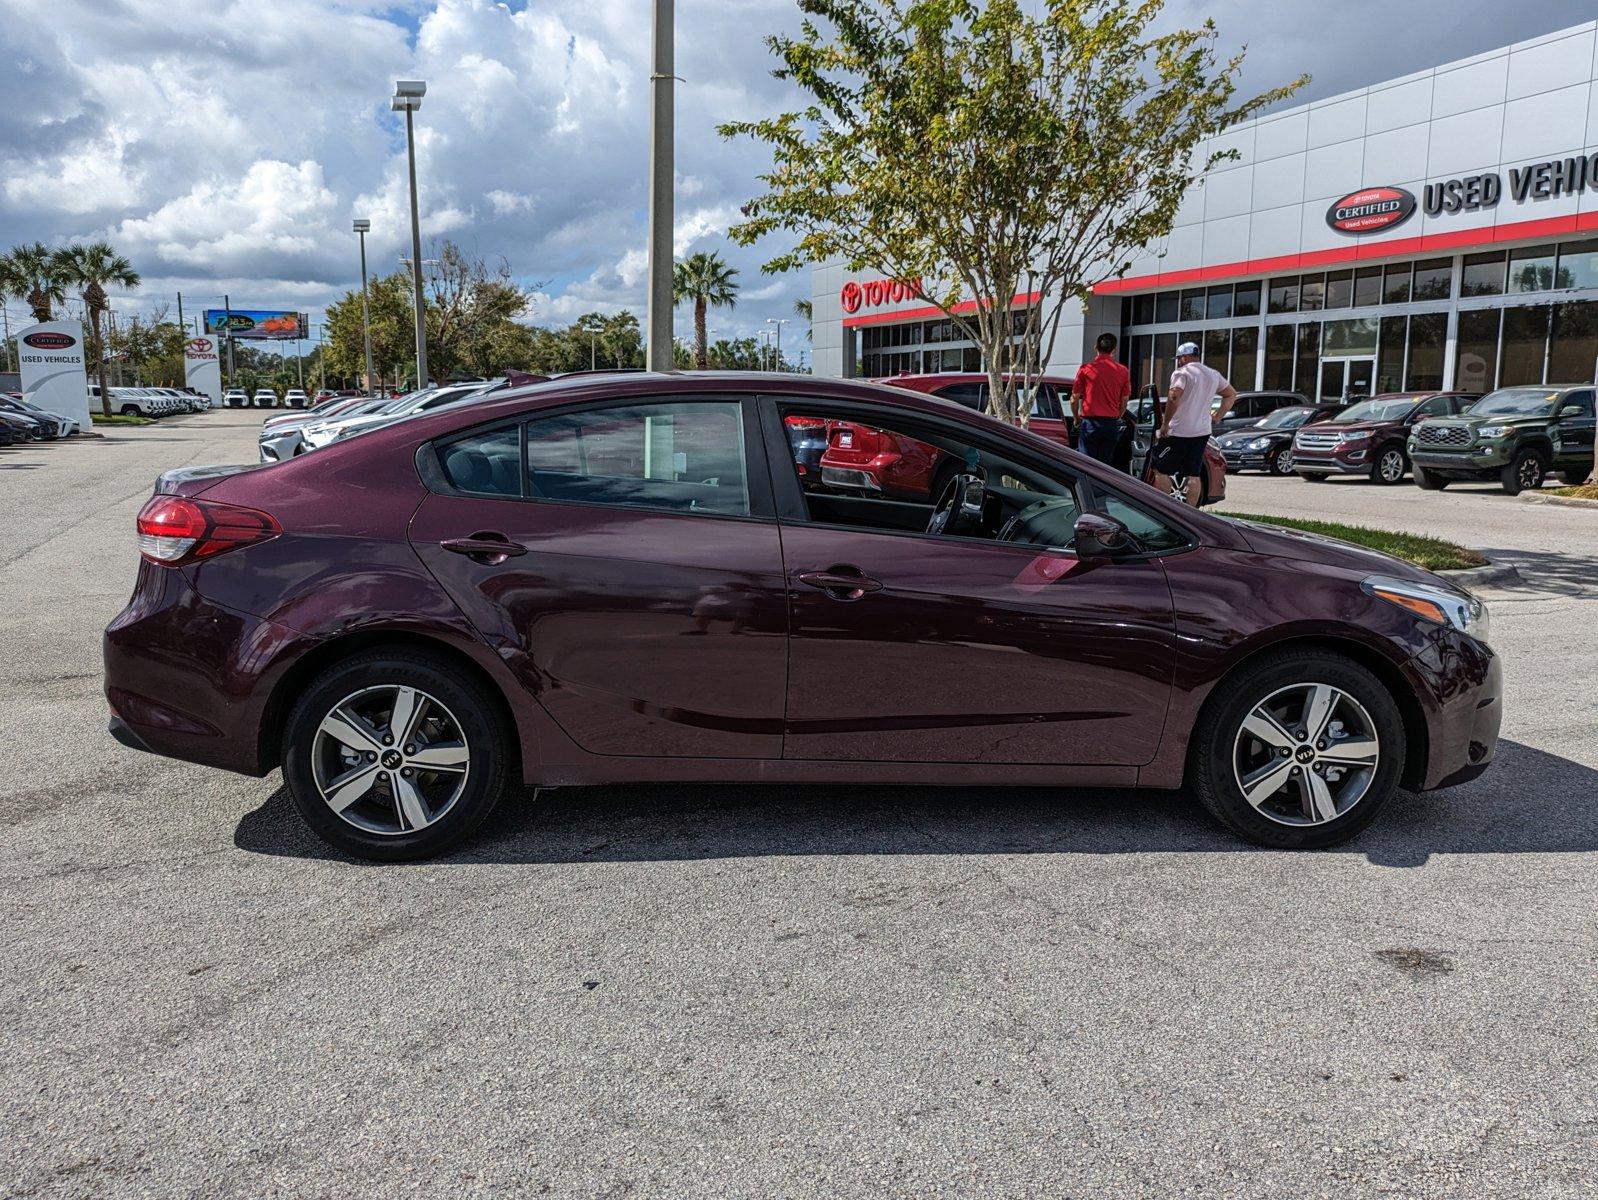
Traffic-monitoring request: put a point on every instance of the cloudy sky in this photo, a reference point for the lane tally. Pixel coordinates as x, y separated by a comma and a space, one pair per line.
224, 145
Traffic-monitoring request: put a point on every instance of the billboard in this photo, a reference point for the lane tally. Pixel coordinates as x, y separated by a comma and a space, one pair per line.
53, 376
202, 367
256, 323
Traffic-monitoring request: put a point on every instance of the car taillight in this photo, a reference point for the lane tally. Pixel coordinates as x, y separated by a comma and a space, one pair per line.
175, 529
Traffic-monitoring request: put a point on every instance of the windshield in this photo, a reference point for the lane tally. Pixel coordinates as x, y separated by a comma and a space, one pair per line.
1286, 418
401, 403
1516, 402
1383, 408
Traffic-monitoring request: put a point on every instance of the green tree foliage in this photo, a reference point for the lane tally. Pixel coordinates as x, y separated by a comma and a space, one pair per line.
33, 274
708, 282
981, 150
393, 331
91, 269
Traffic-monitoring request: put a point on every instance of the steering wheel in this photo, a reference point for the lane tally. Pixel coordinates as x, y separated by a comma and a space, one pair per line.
958, 511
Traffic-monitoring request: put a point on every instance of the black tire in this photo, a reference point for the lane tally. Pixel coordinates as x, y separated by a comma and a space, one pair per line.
1525, 473
1210, 771
129, 410
484, 731
1428, 482
1389, 466
1281, 461
1312, 476
1576, 477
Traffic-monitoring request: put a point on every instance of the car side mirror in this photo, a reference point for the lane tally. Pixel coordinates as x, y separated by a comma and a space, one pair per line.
1099, 536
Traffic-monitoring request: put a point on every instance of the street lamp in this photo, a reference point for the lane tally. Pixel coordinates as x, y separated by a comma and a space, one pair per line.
362, 226
407, 99
779, 322
660, 347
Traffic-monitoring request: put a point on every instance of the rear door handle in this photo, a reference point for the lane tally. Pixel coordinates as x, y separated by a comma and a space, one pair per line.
841, 582
491, 549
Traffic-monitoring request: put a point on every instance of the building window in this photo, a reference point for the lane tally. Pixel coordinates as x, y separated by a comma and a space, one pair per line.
1367, 287
1143, 310
1309, 352
1279, 358
1193, 305
1165, 308
1339, 289
1164, 359
1525, 345
1284, 295
1217, 348
1395, 283
1352, 337
1434, 280
1311, 293
1218, 306
1573, 349
1390, 355
1476, 353
1483, 275
1245, 357
1428, 336
1578, 266
1531, 269
1246, 300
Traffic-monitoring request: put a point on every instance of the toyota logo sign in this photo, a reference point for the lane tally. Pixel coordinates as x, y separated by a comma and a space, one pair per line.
851, 297
201, 345
47, 340
1370, 210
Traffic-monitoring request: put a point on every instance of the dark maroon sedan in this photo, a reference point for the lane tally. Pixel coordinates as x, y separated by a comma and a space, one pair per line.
615, 578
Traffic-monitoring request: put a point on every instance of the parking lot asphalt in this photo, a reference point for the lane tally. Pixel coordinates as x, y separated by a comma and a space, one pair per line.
694, 991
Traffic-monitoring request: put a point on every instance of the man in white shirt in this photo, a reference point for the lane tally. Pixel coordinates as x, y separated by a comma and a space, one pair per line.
1185, 427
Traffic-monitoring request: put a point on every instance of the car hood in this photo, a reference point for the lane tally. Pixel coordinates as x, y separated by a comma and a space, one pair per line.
1281, 541
1515, 420
1240, 437
1347, 428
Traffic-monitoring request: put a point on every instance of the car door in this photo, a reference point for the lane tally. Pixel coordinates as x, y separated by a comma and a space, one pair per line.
623, 559
1573, 427
911, 647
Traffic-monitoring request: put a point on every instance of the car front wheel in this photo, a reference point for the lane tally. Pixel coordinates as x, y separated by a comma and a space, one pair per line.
395, 755
1389, 466
1524, 474
1298, 751
1281, 463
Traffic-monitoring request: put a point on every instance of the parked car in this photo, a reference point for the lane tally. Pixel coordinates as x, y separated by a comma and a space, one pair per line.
1267, 445
265, 398
20, 428
1516, 435
1145, 412
235, 398
139, 402
419, 621
1368, 438
53, 424
323, 433
1252, 407
296, 398
283, 436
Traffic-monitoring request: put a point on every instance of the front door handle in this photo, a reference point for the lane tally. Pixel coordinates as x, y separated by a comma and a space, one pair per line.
490, 549
841, 582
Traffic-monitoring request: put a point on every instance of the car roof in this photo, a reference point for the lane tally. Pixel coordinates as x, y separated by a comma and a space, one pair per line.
926, 381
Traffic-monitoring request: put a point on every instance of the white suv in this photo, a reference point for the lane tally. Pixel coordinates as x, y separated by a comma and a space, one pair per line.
265, 398
235, 398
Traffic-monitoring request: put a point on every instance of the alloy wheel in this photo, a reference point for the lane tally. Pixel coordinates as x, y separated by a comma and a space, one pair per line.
1530, 472
1306, 754
1392, 466
390, 759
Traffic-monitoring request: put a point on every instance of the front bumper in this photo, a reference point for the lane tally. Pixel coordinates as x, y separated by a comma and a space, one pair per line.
1354, 461
1479, 460
1462, 695
1244, 460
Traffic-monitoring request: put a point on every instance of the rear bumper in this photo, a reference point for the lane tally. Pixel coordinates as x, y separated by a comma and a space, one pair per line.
850, 479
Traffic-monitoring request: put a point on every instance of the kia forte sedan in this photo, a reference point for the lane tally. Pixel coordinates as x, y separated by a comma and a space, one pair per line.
620, 578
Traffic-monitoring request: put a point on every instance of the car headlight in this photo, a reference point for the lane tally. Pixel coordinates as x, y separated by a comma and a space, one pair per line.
1356, 437
1259, 443
1492, 430
1463, 611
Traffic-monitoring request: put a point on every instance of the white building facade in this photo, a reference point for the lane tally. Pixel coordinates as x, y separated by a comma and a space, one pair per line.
1434, 231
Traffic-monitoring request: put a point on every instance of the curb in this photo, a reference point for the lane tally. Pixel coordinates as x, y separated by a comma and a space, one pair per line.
1482, 576
1566, 501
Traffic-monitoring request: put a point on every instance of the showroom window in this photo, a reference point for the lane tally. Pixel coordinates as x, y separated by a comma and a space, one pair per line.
1367, 287
1476, 352
1166, 305
1284, 295
1483, 275
1246, 300
1217, 348
1245, 357
1311, 293
1192, 305
1390, 354
1531, 269
1573, 347
1279, 358
1428, 338
683, 457
1218, 305
1434, 280
1339, 289
1309, 352
1578, 264
1143, 310
1525, 346
1395, 283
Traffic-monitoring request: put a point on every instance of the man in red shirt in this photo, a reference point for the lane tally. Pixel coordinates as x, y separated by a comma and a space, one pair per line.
1098, 399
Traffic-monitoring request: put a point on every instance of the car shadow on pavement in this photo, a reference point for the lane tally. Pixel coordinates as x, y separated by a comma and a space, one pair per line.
1529, 802
1549, 571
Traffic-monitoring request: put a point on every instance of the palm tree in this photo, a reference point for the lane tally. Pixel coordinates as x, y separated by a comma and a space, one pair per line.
708, 282
33, 274
90, 269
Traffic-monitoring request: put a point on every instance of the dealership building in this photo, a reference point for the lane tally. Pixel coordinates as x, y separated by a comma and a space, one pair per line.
1434, 231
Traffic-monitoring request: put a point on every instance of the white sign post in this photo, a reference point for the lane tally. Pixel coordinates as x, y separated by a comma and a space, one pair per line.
53, 376
202, 368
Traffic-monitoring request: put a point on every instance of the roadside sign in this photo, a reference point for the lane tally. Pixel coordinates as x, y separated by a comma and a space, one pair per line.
51, 362
202, 367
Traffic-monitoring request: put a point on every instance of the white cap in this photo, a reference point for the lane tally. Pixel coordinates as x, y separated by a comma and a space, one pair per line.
1187, 350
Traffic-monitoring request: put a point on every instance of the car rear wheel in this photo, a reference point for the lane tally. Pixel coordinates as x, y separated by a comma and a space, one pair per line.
394, 756
1281, 462
1389, 466
1427, 481
1297, 751
1524, 474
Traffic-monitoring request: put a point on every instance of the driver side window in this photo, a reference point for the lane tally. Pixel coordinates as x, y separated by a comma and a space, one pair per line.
918, 481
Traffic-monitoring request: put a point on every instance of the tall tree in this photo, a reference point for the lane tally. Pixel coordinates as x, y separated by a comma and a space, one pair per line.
983, 153
33, 273
91, 269
709, 283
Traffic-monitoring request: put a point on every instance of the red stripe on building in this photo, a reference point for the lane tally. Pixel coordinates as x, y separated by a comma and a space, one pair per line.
1022, 300
1431, 243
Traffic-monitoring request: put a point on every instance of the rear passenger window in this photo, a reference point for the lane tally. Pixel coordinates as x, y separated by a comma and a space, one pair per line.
485, 464
685, 457
972, 395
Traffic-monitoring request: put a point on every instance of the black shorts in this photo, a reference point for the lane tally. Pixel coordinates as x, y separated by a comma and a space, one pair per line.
1180, 456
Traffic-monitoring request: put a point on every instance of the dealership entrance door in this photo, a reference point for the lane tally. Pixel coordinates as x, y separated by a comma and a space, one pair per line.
1347, 379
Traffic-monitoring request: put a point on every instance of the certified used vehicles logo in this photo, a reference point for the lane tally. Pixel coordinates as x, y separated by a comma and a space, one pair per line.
48, 340
1371, 209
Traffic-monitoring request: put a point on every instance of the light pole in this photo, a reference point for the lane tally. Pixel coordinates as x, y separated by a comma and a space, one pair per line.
764, 337
661, 167
779, 322
407, 99
362, 227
